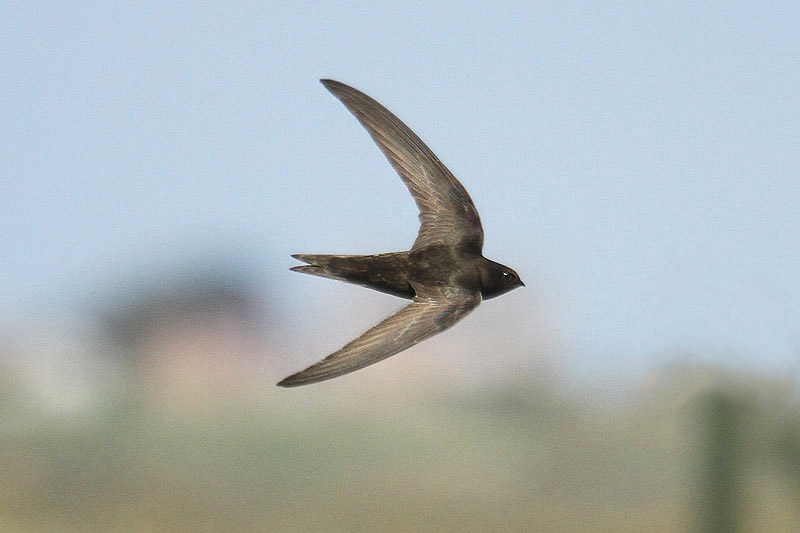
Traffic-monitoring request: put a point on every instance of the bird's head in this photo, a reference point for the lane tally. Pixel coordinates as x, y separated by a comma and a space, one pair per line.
497, 279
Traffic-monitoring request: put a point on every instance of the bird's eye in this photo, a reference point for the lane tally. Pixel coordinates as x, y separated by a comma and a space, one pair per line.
508, 275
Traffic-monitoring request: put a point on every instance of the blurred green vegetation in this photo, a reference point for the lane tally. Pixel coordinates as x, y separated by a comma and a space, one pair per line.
702, 450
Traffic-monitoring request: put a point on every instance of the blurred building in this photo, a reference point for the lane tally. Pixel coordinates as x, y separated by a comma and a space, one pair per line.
193, 335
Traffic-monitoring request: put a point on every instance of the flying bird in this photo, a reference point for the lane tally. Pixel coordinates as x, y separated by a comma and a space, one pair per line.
444, 274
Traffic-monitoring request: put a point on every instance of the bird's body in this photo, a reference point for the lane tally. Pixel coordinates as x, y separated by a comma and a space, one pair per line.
395, 273
444, 274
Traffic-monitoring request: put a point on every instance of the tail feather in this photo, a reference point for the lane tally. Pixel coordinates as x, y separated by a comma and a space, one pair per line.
316, 259
383, 272
320, 265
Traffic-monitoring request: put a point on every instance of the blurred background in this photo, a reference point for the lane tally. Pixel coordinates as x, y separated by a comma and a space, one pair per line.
636, 163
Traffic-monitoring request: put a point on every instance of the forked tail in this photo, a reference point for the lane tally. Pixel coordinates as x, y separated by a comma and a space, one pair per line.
384, 272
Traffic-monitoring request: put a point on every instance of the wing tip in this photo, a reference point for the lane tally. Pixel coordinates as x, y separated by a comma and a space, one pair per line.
330, 84
287, 383
304, 377
296, 379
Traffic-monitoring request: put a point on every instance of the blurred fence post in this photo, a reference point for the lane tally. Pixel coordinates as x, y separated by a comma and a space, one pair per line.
719, 499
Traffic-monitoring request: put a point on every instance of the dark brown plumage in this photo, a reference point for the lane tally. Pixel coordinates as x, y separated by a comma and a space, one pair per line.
444, 274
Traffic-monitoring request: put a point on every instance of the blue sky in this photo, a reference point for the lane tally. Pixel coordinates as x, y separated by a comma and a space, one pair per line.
637, 163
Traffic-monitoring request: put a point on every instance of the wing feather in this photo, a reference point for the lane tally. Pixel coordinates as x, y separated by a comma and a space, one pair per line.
447, 214
417, 321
